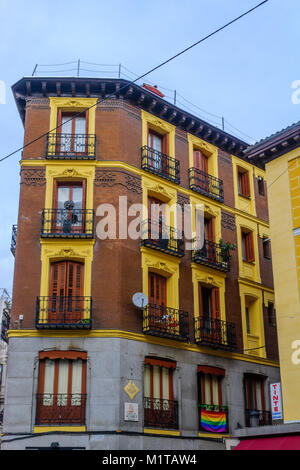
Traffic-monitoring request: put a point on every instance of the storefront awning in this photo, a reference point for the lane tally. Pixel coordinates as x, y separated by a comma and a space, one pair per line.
270, 443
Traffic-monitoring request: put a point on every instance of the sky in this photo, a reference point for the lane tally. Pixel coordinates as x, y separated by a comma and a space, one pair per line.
244, 73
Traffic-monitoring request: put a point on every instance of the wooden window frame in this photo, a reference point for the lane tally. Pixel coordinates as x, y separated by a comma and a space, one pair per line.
161, 363
205, 372
248, 252
261, 186
243, 182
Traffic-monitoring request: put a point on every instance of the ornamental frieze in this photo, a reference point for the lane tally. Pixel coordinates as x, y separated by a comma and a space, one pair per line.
228, 221
108, 179
33, 176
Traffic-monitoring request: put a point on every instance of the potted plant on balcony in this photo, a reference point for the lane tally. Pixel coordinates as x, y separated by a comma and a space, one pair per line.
225, 248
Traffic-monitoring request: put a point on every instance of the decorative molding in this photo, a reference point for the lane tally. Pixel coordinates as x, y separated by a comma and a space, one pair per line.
182, 200
160, 266
33, 176
70, 173
208, 279
228, 221
109, 178
159, 189
131, 389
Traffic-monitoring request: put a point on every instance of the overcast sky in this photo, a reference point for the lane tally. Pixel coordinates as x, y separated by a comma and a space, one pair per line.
244, 73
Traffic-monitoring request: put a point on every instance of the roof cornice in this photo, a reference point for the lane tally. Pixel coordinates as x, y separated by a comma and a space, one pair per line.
123, 89
274, 146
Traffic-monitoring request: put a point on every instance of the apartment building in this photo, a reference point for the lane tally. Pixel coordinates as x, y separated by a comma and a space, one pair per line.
84, 362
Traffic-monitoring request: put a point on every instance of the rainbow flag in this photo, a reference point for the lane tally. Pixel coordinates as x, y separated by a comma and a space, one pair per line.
213, 421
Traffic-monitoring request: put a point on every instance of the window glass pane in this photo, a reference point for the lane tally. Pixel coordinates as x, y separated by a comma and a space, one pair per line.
77, 197
165, 376
156, 381
207, 389
147, 381
48, 382
63, 381
215, 384
66, 127
76, 382
80, 125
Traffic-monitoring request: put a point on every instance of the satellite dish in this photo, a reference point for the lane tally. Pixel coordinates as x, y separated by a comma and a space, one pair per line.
140, 300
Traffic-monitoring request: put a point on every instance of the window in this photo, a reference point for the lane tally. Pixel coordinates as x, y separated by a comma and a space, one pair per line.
248, 320
200, 161
160, 409
66, 303
61, 388
267, 248
68, 207
209, 303
261, 186
212, 412
72, 133
158, 145
243, 182
256, 414
247, 246
271, 314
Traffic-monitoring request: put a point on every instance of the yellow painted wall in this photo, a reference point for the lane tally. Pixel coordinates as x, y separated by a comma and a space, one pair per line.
283, 196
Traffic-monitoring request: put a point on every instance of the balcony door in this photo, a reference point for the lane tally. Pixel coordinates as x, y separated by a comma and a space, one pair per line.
157, 144
201, 173
65, 292
72, 133
61, 388
69, 202
209, 311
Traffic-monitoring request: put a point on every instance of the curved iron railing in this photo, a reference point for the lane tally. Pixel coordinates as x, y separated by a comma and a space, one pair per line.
160, 413
60, 408
211, 254
166, 322
70, 312
206, 184
64, 223
71, 146
157, 235
256, 418
160, 164
215, 333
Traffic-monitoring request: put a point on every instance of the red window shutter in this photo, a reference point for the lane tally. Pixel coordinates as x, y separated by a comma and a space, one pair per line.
216, 303
200, 300
200, 161
246, 184
157, 289
250, 247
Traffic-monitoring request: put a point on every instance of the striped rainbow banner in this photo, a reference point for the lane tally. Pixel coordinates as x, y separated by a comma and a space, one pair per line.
214, 421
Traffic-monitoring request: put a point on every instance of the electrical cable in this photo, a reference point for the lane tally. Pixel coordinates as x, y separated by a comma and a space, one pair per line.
141, 76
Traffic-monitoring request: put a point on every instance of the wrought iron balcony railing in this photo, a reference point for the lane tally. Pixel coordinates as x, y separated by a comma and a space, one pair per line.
64, 223
211, 254
71, 146
206, 184
215, 333
213, 418
255, 418
160, 164
160, 413
166, 322
71, 312
160, 237
14, 239
5, 325
61, 408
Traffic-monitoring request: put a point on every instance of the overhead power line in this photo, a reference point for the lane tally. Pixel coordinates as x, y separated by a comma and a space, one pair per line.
141, 76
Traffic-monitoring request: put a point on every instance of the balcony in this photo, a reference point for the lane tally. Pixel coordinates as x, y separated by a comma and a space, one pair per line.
14, 239
213, 418
5, 325
160, 413
206, 184
71, 146
257, 418
215, 333
165, 322
212, 255
160, 237
65, 223
72, 312
60, 409
160, 164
